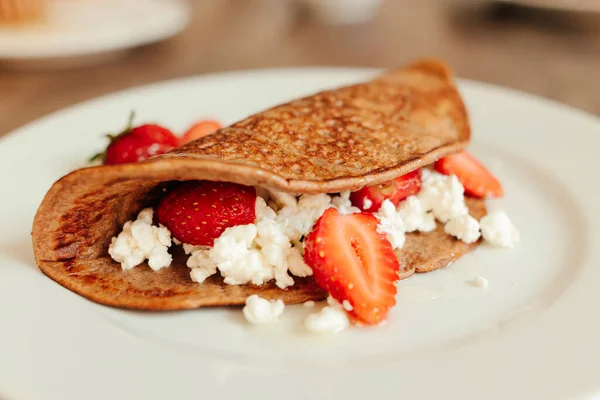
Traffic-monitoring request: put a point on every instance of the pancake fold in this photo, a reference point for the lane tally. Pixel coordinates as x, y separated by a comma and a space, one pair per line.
334, 140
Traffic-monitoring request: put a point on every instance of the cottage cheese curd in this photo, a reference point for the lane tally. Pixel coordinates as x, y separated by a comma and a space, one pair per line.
139, 241
391, 224
463, 227
261, 311
330, 319
260, 252
497, 229
414, 216
480, 282
202, 266
442, 195
343, 204
297, 219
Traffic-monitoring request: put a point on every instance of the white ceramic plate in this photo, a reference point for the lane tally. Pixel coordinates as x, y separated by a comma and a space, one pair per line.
77, 30
533, 334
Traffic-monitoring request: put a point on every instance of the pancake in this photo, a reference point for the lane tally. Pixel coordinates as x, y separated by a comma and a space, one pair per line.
338, 139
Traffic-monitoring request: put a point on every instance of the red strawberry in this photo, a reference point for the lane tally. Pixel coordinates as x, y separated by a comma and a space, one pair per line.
198, 212
476, 179
198, 130
139, 143
396, 191
354, 262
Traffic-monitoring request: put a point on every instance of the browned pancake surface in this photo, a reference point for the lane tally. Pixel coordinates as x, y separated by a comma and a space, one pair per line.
424, 252
340, 139
103, 281
352, 136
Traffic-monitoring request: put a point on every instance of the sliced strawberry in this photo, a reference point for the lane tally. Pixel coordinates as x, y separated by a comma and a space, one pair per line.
198, 212
198, 130
354, 262
476, 179
370, 198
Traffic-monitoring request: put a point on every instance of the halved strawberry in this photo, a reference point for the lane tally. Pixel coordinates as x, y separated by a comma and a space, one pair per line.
198, 130
354, 262
370, 198
198, 212
476, 179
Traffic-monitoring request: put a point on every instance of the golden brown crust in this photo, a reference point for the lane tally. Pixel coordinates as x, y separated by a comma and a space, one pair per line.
103, 281
351, 137
424, 252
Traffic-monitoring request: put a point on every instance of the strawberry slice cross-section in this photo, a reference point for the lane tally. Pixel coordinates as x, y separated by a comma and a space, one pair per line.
355, 263
477, 180
370, 198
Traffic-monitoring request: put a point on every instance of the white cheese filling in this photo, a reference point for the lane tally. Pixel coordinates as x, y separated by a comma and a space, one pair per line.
332, 318
441, 197
269, 249
262, 311
140, 241
272, 249
497, 229
463, 227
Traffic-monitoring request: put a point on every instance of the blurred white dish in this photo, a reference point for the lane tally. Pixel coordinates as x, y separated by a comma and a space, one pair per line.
342, 12
91, 31
590, 6
565, 5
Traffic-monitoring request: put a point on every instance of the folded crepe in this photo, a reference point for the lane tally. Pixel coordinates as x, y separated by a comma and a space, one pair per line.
335, 140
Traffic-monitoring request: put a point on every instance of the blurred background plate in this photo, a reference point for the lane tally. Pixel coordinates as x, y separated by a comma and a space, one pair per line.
565, 5
90, 31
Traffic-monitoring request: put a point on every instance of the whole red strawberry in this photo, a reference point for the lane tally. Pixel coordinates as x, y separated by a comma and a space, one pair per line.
197, 212
138, 143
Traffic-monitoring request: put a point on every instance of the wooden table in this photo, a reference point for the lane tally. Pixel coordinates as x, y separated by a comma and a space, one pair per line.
553, 55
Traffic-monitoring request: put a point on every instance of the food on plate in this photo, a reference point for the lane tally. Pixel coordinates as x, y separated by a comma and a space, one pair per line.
355, 262
199, 212
371, 197
335, 195
475, 178
199, 130
137, 143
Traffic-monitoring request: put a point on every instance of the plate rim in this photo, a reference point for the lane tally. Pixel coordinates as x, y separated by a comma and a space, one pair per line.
92, 46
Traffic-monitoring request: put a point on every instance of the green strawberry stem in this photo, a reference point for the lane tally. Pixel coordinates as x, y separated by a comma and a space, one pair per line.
102, 155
